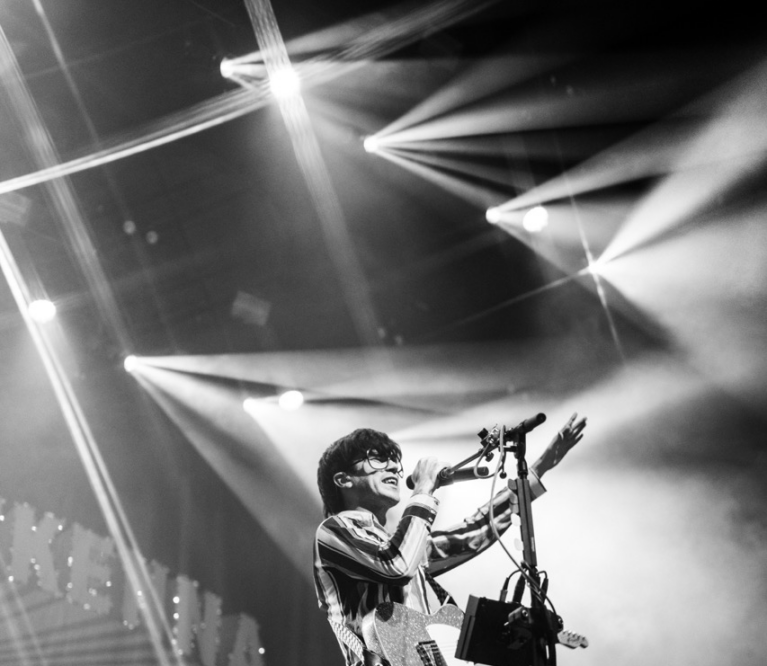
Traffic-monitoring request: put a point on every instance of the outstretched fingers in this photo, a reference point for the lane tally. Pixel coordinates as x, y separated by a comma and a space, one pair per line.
572, 432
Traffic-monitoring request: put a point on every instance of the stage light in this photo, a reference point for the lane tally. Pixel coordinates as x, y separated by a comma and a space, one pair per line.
227, 68
535, 219
130, 363
493, 215
42, 311
291, 400
371, 144
250, 405
595, 267
284, 83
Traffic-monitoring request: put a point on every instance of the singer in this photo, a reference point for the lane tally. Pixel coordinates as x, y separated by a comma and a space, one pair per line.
358, 564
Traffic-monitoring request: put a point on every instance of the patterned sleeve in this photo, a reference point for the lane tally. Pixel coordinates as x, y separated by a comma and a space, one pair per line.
455, 545
363, 552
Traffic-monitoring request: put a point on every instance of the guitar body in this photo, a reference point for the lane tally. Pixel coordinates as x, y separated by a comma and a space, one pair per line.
405, 637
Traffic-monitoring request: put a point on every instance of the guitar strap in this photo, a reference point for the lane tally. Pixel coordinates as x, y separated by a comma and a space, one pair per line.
442, 594
351, 641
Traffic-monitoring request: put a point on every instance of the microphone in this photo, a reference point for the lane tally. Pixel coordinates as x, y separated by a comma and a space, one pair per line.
448, 475
527, 425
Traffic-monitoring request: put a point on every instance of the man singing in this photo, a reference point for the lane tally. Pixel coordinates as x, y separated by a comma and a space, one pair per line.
359, 565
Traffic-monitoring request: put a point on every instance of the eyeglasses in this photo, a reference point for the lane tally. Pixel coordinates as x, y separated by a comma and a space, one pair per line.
380, 461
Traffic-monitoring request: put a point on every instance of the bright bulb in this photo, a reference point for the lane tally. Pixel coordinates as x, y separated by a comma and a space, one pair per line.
493, 215
371, 144
535, 219
42, 311
595, 267
226, 68
285, 83
250, 405
291, 400
130, 363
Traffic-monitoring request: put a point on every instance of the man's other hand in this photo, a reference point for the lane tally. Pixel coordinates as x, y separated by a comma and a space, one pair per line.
568, 436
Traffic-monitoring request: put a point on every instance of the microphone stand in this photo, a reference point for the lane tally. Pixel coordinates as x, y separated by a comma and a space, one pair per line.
510, 634
538, 624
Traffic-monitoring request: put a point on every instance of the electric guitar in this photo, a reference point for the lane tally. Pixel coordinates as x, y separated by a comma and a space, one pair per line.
404, 637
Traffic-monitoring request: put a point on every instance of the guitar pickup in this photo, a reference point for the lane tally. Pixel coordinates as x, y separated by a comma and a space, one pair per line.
572, 640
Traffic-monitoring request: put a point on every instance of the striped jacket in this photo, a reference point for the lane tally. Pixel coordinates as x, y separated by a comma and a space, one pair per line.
359, 565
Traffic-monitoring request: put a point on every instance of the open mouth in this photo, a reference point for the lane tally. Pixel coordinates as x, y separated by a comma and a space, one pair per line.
391, 481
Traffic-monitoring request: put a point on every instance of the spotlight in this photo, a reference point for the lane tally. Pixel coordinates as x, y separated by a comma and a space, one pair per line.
493, 215
595, 267
227, 68
42, 311
291, 400
130, 363
535, 219
285, 83
371, 144
250, 405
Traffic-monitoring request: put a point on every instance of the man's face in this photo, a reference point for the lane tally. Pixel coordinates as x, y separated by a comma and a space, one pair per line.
375, 481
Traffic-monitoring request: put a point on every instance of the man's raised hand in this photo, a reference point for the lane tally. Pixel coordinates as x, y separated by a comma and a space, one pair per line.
567, 437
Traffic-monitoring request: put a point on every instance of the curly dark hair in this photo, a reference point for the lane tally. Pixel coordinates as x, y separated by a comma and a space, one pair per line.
342, 454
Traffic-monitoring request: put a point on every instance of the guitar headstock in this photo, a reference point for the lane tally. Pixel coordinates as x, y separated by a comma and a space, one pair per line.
572, 640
